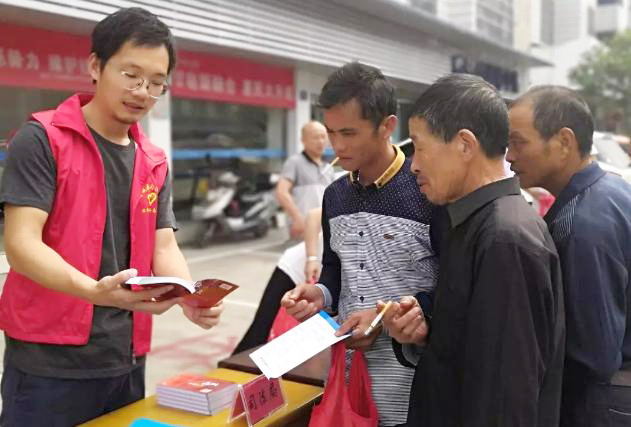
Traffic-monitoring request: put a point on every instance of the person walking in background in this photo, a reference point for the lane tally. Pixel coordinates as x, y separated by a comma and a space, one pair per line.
304, 178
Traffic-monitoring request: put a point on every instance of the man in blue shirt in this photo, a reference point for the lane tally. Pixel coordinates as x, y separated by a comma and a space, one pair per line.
551, 132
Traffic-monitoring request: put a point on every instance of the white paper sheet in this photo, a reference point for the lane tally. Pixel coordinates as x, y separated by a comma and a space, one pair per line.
297, 345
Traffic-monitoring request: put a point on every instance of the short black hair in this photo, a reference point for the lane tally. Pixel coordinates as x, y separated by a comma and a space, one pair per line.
557, 107
465, 101
373, 92
133, 24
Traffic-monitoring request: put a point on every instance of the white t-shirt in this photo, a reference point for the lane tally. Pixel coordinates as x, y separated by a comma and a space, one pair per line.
293, 261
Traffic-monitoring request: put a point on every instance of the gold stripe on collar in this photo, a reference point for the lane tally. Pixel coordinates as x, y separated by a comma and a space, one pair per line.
390, 172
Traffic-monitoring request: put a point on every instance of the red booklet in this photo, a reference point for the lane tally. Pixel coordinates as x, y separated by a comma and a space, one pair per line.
203, 293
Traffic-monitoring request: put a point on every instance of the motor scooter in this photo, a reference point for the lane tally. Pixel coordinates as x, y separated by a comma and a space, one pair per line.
233, 207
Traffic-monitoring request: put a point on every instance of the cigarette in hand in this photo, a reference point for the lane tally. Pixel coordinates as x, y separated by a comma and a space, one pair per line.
375, 322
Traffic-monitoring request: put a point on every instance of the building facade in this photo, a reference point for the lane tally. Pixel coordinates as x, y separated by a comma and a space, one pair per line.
562, 31
249, 71
492, 19
612, 16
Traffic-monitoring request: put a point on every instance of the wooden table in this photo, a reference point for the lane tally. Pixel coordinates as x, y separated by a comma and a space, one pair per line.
300, 399
314, 371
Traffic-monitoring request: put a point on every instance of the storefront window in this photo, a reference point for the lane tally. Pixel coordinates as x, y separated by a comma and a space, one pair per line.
17, 106
19, 103
213, 137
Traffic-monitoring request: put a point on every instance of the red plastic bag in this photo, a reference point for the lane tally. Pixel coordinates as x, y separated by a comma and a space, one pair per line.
282, 323
342, 405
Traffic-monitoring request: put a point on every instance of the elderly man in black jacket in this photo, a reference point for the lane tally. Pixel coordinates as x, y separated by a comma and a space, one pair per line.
492, 352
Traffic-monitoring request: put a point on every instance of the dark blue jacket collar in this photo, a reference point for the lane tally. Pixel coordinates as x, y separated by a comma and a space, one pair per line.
578, 183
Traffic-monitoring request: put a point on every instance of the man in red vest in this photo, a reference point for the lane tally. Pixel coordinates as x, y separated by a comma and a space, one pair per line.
87, 206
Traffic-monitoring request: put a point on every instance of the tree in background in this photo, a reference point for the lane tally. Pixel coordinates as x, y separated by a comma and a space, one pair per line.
604, 79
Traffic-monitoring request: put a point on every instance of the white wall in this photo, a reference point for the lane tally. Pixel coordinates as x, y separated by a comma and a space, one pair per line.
565, 56
573, 36
612, 18
461, 13
572, 19
524, 33
308, 85
541, 75
157, 125
535, 22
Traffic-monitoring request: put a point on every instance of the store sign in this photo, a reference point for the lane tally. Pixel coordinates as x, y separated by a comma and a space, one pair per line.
216, 78
44, 59
502, 78
32, 57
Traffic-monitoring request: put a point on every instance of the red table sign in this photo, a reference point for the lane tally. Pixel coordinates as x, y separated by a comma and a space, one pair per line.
258, 399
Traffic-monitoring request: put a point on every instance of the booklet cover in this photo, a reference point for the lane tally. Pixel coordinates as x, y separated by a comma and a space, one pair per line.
196, 393
196, 383
204, 293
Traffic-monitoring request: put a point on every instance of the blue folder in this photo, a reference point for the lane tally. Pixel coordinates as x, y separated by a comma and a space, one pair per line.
145, 422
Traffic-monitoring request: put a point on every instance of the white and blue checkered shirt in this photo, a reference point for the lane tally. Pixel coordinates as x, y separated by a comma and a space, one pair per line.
377, 247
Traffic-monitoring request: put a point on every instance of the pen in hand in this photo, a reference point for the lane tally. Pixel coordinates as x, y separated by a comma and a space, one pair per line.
377, 319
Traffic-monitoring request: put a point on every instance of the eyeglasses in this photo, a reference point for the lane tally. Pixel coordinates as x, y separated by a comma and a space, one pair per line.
135, 82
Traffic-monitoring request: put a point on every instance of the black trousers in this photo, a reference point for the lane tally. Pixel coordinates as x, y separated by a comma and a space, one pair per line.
597, 405
257, 333
34, 401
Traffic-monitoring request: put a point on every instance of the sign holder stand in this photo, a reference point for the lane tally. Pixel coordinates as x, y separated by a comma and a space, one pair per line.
258, 399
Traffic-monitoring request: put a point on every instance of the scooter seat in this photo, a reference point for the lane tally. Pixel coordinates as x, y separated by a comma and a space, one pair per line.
251, 198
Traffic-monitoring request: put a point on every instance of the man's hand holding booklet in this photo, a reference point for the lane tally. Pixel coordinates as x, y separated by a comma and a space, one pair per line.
202, 294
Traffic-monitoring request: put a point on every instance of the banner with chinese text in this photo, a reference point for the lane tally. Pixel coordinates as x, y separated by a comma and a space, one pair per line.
30, 57
207, 76
38, 58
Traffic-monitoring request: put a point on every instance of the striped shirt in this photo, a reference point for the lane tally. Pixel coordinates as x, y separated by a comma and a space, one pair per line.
377, 246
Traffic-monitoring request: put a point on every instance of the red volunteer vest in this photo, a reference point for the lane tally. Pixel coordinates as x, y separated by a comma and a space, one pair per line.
74, 229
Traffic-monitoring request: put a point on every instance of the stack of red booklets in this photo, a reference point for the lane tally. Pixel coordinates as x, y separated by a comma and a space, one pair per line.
196, 393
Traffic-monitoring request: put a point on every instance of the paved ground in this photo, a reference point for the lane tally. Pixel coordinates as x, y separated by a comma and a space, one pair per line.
178, 344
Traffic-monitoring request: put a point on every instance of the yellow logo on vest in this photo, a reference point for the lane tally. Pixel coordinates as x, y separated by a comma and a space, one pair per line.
150, 195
